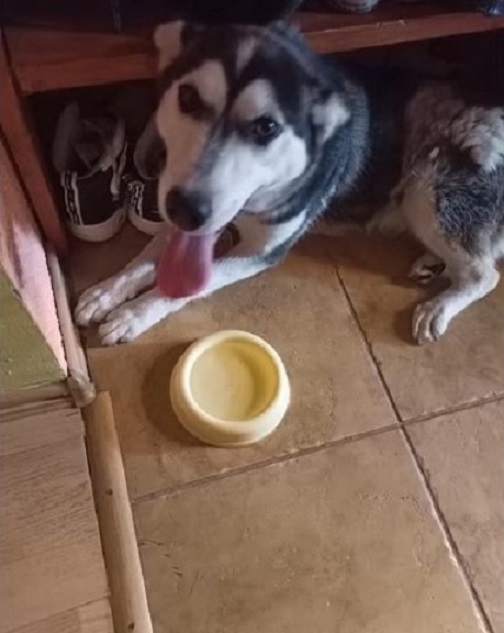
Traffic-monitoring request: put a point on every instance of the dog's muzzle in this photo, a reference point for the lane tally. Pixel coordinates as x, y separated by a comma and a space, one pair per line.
186, 209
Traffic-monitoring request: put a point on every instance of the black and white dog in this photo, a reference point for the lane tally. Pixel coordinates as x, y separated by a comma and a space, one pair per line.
252, 127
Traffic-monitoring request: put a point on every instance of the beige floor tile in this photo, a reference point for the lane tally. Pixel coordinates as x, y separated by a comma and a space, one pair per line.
466, 365
463, 457
90, 263
342, 540
300, 308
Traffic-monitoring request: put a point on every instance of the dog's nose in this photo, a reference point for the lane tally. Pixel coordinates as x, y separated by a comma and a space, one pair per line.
186, 209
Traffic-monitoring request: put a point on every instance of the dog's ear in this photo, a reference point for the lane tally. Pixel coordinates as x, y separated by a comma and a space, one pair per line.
171, 38
150, 152
329, 112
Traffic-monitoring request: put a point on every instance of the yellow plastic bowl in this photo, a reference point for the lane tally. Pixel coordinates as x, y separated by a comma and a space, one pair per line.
230, 389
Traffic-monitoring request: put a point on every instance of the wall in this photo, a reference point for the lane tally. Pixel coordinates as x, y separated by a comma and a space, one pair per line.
26, 359
23, 260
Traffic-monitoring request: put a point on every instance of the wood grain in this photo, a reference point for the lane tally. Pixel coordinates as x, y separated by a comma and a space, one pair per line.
46, 501
50, 552
128, 597
79, 381
24, 432
94, 617
39, 586
19, 410
389, 24
52, 59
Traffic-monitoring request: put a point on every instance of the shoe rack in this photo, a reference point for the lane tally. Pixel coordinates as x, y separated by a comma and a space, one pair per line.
34, 60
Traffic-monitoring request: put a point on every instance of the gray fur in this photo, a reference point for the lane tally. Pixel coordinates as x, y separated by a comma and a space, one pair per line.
430, 160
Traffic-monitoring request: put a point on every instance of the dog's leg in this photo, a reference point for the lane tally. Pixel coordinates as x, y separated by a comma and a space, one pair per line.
426, 268
389, 220
471, 281
131, 319
481, 132
95, 303
261, 246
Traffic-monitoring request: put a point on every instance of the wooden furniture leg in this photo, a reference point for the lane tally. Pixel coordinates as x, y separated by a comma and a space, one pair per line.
15, 127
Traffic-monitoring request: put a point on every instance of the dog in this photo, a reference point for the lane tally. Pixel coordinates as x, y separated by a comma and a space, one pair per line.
253, 128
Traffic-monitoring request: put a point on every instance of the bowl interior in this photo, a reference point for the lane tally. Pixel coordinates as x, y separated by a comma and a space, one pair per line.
234, 380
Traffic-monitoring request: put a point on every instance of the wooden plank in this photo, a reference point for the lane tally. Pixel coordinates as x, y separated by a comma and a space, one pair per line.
32, 396
389, 25
128, 596
38, 587
79, 381
22, 433
15, 128
94, 617
50, 551
53, 59
49, 60
67, 622
18, 410
46, 500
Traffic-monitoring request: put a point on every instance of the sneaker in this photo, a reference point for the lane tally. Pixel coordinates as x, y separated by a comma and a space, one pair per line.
90, 156
141, 189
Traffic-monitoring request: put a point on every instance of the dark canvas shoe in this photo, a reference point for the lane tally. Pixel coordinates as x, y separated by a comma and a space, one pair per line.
141, 187
90, 156
141, 204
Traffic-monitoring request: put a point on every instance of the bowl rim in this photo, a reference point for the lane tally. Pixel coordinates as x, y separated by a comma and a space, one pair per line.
199, 347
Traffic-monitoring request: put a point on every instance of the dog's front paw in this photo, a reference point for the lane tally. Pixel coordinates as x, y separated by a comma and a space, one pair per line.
96, 302
135, 317
481, 131
122, 326
430, 321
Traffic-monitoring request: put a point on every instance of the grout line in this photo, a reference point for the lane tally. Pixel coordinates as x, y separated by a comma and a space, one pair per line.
478, 608
420, 418
369, 348
168, 491
280, 459
464, 406
309, 450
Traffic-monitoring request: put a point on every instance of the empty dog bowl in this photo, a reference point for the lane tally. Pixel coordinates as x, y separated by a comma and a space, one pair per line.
230, 389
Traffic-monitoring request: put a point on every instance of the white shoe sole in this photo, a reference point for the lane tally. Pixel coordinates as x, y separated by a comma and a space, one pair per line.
144, 226
99, 232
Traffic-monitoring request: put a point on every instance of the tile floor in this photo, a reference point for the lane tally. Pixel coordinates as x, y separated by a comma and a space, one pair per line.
377, 506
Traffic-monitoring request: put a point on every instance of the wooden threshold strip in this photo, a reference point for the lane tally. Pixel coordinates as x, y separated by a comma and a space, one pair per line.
45, 59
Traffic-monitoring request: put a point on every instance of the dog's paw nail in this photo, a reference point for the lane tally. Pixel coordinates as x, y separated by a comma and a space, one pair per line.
93, 306
120, 327
429, 322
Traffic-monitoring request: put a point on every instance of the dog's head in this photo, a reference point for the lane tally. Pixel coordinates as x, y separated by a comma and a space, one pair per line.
241, 113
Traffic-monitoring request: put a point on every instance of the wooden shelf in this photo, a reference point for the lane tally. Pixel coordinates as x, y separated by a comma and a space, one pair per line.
54, 59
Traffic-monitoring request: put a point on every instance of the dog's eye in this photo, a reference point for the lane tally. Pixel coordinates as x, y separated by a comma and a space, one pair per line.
263, 130
189, 100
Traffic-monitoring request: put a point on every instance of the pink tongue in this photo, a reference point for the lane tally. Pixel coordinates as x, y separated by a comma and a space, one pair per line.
185, 265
